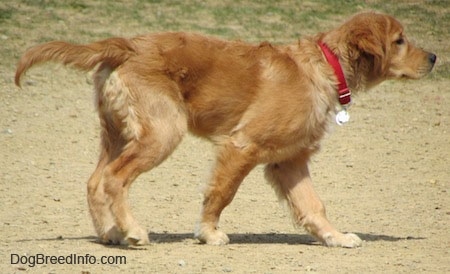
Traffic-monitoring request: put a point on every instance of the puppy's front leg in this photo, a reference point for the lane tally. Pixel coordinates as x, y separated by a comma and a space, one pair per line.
291, 180
233, 164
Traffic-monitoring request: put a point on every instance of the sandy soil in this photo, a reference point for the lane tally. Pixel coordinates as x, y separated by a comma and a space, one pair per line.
384, 176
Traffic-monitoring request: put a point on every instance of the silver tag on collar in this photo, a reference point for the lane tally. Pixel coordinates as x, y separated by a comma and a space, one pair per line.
342, 117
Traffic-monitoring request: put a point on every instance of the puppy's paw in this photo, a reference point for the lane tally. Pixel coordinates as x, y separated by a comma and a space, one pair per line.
137, 236
348, 240
212, 236
112, 236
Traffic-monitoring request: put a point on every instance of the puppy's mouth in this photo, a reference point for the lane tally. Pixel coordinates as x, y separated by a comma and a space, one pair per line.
412, 74
423, 71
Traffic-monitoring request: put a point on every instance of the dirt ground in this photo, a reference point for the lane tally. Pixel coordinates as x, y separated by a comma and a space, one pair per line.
384, 176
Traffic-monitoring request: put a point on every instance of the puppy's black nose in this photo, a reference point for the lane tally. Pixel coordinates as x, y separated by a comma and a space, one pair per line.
432, 58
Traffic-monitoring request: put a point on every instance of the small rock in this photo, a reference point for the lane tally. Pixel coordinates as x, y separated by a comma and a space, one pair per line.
181, 263
29, 82
7, 131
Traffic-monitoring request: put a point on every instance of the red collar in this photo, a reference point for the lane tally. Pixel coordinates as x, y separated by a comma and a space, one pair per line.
343, 90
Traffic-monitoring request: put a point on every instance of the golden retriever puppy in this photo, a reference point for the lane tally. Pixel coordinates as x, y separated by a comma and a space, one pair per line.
259, 104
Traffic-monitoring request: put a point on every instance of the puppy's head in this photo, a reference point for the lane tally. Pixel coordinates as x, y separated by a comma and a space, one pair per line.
374, 48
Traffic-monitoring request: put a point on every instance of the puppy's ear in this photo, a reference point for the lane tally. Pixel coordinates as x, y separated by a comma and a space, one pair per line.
370, 44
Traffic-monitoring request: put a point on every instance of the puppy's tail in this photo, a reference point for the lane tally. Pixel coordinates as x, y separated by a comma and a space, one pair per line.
112, 52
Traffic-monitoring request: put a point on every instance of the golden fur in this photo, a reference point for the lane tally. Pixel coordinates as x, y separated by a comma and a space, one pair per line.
260, 104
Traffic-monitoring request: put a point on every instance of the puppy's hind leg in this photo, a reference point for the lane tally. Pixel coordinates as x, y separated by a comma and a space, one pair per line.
291, 181
141, 129
117, 178
103, 220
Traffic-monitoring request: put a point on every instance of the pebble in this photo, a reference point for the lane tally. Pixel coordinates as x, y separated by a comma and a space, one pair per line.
29, 82
181, 263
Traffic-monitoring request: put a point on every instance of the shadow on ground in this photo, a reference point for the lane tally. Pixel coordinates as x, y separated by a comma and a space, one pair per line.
237, 238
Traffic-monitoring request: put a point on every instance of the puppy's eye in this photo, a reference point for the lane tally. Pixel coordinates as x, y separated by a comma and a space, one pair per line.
400, 41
